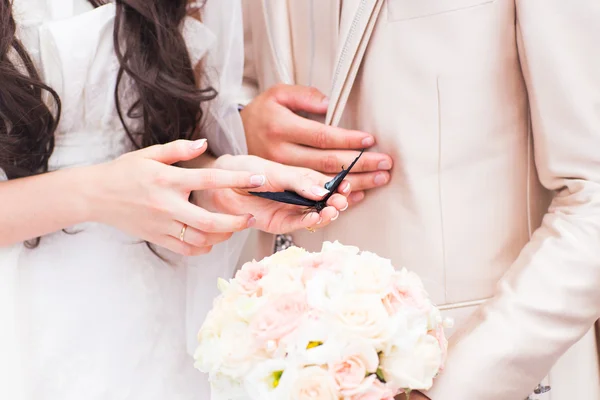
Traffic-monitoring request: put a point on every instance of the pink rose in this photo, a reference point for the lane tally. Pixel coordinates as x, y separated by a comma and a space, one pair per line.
354, 372
249, 276
279, 317
406, 293
377, 391
326, 261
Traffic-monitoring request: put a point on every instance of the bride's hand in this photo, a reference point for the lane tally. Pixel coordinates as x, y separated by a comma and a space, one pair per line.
142, 194
271, 216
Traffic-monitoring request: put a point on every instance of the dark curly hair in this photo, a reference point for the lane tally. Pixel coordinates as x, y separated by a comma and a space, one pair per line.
152, 53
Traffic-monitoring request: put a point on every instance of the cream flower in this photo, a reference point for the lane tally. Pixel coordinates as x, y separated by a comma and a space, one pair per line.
269, 380
412, 366
363, 316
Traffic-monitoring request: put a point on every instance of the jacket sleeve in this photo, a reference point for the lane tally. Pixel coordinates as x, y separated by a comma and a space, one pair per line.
551, 295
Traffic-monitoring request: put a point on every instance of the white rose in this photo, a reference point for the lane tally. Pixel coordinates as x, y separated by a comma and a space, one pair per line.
323, 288
413, 367
229, 350
365, 316
290, 257
224, 388
207, 356
337, 246
246, 307
313, 383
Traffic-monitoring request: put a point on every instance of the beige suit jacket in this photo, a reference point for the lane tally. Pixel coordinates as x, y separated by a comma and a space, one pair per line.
491, 111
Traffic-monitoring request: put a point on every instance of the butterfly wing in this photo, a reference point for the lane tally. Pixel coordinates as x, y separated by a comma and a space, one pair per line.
287, 197
333, 184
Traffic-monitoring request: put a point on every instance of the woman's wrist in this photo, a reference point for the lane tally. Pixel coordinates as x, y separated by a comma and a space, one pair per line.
89, 185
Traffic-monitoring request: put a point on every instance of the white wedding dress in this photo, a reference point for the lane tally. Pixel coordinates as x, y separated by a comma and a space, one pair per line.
94, 314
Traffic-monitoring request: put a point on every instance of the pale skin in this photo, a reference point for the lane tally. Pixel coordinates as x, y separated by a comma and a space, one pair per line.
144, 194
275, 131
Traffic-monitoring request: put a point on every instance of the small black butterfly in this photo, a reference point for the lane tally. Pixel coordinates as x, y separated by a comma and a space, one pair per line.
289, 197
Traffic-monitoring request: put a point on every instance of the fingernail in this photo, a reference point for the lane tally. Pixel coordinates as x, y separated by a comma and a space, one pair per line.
336, 215
319, 191
380, 179
251, 222
346, 188
384, 165
320, 220
258, 180
356, 197
345, 207
368, 141
198, 144
325, 101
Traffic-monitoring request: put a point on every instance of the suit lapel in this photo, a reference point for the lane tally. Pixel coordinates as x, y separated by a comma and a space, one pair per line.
354, 40
277, 26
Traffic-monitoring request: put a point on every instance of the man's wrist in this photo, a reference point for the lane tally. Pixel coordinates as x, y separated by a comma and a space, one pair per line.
414, 395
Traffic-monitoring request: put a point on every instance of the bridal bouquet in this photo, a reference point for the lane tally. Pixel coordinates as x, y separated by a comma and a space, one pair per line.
339, 324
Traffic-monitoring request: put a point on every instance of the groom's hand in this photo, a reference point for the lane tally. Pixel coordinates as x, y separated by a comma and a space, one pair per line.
275, 131
413, 396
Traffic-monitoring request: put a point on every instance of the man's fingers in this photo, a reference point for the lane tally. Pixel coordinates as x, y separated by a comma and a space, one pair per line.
355, 198
300, 98
367, 180
315, 134
332, 161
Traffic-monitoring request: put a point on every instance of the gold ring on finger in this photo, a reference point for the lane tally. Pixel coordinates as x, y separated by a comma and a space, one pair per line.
182, 234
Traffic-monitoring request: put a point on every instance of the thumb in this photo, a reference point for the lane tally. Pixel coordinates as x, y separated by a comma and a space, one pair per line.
173, 152
301, 98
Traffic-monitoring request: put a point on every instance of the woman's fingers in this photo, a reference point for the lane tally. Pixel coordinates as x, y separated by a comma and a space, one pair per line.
207, 178
197, 238
206, 221
338, 202
170, 153
296, 222
177, 246
306, 183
